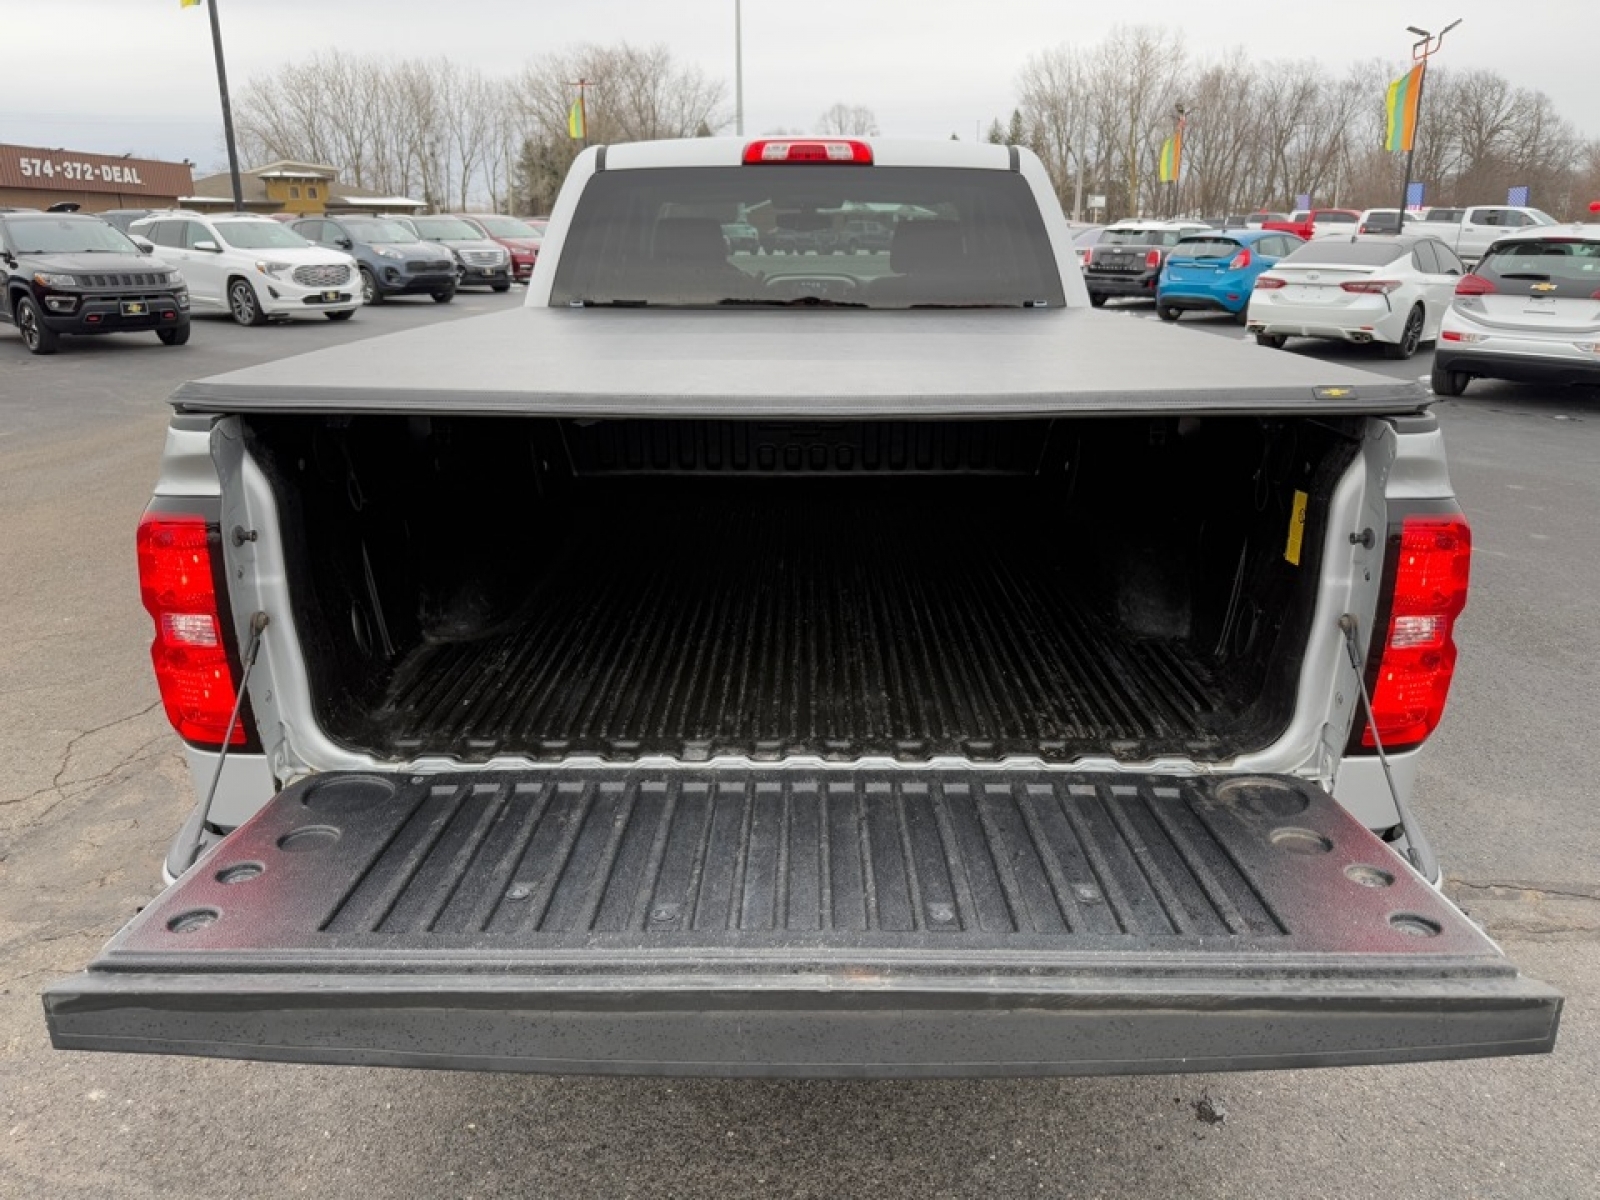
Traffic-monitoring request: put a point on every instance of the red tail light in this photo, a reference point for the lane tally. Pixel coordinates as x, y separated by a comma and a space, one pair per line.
1152, 260
1419, 653
1371, 287
190, 657
1474, 285
808, 150
1239, 261
1266, 283
1088, 255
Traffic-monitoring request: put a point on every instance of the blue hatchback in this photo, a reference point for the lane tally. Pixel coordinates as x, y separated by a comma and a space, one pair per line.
1215, 271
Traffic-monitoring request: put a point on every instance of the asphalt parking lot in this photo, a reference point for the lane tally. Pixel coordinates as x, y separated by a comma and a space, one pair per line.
96, 788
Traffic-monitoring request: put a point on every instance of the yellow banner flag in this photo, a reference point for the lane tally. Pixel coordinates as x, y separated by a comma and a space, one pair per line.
577, 120
191, 3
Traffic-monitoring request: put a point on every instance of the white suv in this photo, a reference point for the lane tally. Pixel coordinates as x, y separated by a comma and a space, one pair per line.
253, 267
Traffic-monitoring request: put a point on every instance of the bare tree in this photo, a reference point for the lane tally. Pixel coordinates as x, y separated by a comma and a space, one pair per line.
427, 127
849, 121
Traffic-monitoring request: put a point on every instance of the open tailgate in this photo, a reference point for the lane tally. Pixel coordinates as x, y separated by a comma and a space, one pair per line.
784, 922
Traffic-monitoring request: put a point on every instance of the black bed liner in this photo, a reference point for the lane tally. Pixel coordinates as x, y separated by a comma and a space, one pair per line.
805, 923
746, 626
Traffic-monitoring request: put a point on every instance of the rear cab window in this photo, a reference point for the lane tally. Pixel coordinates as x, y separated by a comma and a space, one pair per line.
956, 239
1558, 267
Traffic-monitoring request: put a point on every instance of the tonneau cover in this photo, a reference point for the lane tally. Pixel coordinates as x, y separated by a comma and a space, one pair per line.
801, 363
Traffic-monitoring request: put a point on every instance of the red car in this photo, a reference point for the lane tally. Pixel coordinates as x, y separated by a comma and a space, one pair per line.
1319, 222
520, 237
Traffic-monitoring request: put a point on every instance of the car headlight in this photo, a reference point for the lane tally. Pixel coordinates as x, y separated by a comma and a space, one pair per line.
174, 278
386, 252
275, 269
45, 279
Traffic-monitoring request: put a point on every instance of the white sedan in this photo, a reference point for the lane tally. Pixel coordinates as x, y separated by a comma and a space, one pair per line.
1364, 288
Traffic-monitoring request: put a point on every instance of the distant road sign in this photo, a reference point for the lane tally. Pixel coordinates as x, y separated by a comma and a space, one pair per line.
1096, 200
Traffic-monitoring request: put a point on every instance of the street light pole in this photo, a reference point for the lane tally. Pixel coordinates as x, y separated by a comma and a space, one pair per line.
738, 69
1426, 46
227, 109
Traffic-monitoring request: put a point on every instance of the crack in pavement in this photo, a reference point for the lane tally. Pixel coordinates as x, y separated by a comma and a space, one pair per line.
57, 782
1516, 885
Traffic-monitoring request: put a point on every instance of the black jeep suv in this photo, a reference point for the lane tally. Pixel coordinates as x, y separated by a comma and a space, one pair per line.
69, 273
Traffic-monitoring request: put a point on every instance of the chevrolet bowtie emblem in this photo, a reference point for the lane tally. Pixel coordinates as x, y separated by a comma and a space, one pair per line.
1544, 287
1332, 393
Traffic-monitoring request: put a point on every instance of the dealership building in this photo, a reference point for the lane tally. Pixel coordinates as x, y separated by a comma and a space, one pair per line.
37, 177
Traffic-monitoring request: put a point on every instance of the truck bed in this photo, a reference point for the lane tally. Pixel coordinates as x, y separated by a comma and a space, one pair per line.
814, 363
759, 624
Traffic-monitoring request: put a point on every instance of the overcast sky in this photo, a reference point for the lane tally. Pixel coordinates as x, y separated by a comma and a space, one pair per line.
121, 76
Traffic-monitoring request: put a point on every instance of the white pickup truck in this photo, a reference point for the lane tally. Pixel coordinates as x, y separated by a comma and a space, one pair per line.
1470, 230
830, 664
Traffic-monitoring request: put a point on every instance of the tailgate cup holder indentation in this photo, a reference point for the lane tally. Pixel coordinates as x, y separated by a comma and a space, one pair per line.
240, 872
1368, 876
312, 837
1262, 796
195, 918
1300, 841
1414, 926
348, 793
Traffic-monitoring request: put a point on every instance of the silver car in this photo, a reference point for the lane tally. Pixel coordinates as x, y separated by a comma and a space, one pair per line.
1529, 312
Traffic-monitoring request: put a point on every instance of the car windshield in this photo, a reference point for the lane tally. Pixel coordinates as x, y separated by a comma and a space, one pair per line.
956, 239
1205, 247
379, 232
507, 227
1331, 253
1140, 237
67, 235
446, 229
1540, 217
259, 235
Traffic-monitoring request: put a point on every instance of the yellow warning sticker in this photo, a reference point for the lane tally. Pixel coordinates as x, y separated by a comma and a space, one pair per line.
1297, 528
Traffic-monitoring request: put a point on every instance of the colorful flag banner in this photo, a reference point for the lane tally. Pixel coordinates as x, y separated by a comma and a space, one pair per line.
1171, 157
191, 3
577, 120
1400, 105
1303, 200
1413, 195
1517, 197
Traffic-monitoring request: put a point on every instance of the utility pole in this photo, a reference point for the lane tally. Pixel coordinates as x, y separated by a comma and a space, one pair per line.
1426, 46
738, 69
227, 109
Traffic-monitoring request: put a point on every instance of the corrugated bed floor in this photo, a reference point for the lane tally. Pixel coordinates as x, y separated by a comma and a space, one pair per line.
770, 629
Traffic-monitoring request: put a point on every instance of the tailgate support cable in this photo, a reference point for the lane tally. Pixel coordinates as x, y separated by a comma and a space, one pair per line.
196, 825
1417, 848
